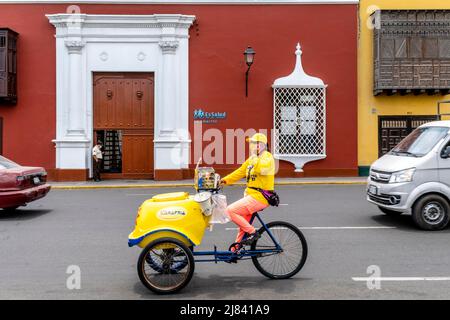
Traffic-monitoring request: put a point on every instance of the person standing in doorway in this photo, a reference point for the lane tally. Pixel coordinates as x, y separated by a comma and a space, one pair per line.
97, 154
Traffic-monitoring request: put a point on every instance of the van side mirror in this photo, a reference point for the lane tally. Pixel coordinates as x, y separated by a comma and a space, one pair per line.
445, 153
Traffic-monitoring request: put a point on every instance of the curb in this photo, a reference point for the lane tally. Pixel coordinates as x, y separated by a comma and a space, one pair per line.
178, 185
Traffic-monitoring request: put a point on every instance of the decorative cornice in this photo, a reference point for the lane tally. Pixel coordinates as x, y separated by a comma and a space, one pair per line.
175, 21
138, 37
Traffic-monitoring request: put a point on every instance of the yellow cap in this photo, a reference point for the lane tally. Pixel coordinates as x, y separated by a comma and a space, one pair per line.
258, 137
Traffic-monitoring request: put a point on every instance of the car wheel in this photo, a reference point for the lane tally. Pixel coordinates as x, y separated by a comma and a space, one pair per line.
10, 209
390, 212
431, 212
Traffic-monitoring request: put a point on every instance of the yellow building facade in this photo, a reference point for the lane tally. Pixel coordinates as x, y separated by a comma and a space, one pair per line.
394, 108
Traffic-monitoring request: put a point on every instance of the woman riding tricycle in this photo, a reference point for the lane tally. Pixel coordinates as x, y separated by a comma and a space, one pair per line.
169, 226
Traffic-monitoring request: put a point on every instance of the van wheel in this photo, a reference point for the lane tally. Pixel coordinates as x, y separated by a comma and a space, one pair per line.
389, 212
431, 212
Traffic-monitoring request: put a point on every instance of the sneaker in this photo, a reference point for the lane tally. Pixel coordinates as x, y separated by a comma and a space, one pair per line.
251, 238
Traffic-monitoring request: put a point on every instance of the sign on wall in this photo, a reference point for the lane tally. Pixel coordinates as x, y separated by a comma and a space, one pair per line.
208, 117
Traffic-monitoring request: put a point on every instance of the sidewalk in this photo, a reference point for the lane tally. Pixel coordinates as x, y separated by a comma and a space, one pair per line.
111, 184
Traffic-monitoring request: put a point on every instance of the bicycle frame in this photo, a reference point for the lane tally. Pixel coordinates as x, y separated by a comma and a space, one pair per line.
226, 256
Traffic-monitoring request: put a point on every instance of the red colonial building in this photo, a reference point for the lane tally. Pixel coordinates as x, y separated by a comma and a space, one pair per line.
162, 83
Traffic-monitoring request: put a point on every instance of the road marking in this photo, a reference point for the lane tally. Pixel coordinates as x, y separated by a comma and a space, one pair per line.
365, 279
283, 204
347, 228
334, 228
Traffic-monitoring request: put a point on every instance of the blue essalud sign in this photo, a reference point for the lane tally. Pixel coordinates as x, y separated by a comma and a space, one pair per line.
204, 116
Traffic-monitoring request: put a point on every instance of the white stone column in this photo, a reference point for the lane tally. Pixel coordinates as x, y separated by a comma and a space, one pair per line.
75, 110
169, 87
72, 145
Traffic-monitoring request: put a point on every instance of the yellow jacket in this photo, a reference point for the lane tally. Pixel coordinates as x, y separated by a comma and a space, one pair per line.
259, 172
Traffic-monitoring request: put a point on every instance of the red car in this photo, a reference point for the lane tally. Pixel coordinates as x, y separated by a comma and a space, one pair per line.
20, 185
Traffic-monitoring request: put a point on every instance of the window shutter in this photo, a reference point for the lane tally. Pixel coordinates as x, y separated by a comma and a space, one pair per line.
2, 65
8, 62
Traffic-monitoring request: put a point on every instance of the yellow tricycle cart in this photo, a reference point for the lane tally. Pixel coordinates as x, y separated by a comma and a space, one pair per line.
169, 226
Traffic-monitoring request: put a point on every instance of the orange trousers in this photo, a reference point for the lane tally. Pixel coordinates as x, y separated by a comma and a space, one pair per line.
241, 212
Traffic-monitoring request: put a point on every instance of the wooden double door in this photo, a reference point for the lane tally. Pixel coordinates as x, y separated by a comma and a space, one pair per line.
392, 130
124, 122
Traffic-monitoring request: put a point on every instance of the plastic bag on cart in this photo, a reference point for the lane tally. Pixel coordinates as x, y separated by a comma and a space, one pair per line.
219, 214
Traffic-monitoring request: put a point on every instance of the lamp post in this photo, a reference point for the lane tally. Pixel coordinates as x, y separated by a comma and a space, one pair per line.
249, 55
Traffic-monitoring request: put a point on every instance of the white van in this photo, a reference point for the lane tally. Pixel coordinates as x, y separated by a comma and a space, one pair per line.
414, 177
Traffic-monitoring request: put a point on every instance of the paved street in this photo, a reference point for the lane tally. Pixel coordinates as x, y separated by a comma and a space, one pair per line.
89, 228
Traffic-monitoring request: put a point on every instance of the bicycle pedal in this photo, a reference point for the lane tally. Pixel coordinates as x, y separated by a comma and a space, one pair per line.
236, 245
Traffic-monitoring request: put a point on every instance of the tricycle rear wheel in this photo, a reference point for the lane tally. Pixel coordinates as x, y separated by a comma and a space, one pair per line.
284, 264
165, 253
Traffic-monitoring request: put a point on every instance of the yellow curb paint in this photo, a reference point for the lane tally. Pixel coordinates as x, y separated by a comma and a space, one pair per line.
178, 185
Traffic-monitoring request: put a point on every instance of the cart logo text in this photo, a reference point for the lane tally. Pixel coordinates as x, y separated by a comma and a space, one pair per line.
171, 213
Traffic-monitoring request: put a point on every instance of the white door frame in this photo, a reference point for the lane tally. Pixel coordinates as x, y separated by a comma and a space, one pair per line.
88, 43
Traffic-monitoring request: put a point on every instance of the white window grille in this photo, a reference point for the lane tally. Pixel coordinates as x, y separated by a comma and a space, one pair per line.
299, 117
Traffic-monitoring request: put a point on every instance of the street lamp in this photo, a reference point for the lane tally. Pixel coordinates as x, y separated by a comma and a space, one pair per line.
249, 55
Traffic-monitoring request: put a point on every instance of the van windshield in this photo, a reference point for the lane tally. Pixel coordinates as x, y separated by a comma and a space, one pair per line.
419, 142
7, 164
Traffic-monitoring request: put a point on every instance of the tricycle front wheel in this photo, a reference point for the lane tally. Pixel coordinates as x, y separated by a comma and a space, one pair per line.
165, 265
